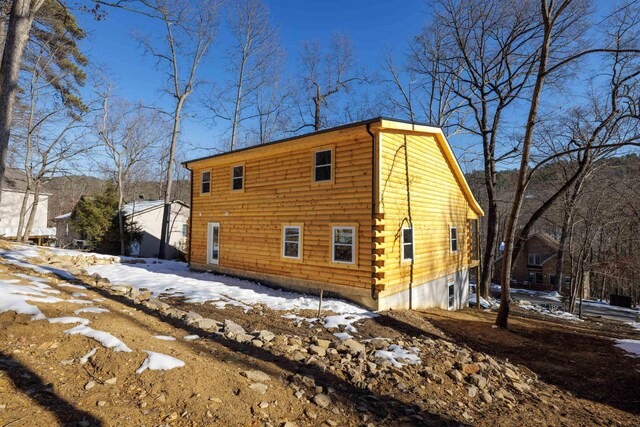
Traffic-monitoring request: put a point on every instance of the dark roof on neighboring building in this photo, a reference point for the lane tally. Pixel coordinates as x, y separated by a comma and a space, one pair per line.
14, 179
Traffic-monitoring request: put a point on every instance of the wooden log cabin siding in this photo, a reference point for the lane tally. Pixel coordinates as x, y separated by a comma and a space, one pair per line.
279, 189
386, 174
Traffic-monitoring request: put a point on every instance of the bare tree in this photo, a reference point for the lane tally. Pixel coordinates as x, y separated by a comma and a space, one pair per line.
323, 76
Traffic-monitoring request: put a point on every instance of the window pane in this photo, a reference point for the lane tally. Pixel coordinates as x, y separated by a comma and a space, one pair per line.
206, 187
454, 245
454, 234
323, 158
408, 251
206, 176
237, 183
323, 173
291, 250
407, 235
291, 234
451, 295
343, 253
214, 236
238, 171
343, 235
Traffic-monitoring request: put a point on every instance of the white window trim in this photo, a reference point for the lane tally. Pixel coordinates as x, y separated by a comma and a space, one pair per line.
284, 242
404, 258
202, 182
330, 164
451, 240
233, 178
353, 244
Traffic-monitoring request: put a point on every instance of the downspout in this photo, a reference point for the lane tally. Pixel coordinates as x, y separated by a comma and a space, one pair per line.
374, 294
190, 218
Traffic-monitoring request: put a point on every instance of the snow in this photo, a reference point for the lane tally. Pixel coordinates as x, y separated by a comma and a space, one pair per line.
84, 359
191, 337
159, 362
635, 325
106, 339
69, 285
91, 310
78, 301
164, 337
399, 356
483, 302
555, 313
342, 335
173, 278
632, 347
79, 294
346, 320
35, 231
63, 216
552, 296
14, 297
69, 319
140, 206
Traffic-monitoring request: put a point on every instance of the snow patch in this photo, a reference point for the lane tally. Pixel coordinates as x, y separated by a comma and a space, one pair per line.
106, 339
632, 347
91, 310
191, 337
14, 297
399, 356
84, 359
70, 285
342, 335
69, 319
159, 362
346, 320
164, 338
79, 294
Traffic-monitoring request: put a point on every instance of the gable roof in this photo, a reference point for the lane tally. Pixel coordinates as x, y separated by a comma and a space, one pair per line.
389, 124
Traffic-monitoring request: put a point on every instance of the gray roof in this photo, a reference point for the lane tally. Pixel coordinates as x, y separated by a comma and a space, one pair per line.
14, 179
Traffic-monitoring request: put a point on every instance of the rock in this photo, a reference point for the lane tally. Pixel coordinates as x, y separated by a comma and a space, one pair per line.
156, 304
215, 399
509, 373
263, 405
111, 381
255, 375
322, 343
309, 413
192, 317
259, 388
521, 387
478, 381
350, 346
322, 400
379, 343
289, 424
121, 289
231, 327
318, 350
257, 343
101, 403
171, 417
91, 384
472, 391
266, 336
208, 324
331, 423
470, 368
486, 397
504, 394
243, 338
139, 295
455, 375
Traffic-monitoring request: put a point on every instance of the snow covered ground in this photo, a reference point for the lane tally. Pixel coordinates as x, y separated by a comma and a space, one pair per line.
630, 346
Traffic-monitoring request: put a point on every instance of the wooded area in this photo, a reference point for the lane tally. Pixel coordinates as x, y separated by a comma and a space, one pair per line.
540, 99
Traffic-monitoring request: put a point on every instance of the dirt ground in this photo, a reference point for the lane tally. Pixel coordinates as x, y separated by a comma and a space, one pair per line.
585, 380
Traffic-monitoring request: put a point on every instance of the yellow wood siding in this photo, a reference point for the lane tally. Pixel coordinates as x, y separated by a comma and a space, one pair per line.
418, 187
279, 190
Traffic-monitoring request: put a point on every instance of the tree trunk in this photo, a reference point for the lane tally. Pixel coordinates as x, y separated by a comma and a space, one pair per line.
20, 21
317, 101
23, 214
120, 213
236, 111
167, 190
489, 255
32, 214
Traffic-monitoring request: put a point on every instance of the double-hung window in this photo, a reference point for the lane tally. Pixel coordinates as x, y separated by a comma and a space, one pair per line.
534, 259
292, 241
451, 289
205, 182
185, 229
322, 165
343, 246
453, 237
407, 244
237, 177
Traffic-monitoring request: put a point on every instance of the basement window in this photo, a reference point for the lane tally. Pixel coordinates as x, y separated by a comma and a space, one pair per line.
184, 230
452, 294
205, 182
343, 244
453, 236
407, 244
237, 178
291, 241
322, 164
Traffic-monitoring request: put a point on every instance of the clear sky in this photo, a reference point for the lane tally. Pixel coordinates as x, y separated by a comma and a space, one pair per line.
372, 26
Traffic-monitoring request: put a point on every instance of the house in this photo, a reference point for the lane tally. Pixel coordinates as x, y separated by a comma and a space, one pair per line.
147, 214
377, 212
14, 188
536, 265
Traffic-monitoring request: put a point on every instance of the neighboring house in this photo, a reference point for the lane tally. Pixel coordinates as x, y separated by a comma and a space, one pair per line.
377, 211
66, 235
536, 265
147, 214
13, 191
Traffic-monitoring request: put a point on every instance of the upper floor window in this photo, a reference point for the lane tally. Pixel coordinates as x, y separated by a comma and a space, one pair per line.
322, 164
343, 244
205, 182
407, 244
237, 177
534, 259
291, 239
453, 236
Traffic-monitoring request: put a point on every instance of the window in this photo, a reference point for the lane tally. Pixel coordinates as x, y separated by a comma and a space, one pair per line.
534, 259
237, 178
407, 244
343, 242
552, 279
322, 166
205, 184
184, 230
291, 240
453, 235
452, 294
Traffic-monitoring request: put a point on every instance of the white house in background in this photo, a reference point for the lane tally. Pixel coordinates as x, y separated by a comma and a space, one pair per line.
13, 190
147, 214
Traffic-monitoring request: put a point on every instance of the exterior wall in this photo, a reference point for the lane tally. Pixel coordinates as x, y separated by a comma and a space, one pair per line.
150, 222
10, 212
279, 190
418, 187
65, 233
